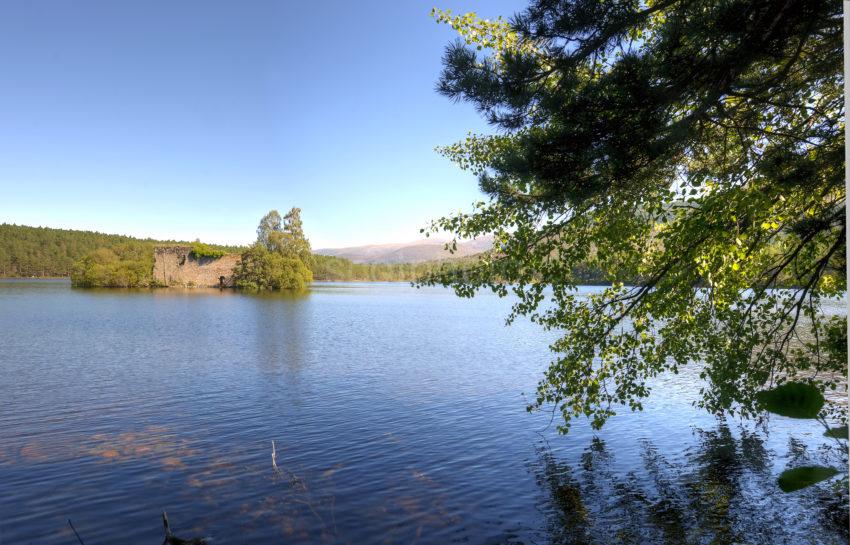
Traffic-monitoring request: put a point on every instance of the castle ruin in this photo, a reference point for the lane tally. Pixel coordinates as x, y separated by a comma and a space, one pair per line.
177, 266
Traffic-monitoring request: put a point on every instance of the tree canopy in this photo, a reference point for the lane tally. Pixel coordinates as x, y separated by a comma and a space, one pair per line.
43, 251
270, 224
280, 258
124, 265
692, 151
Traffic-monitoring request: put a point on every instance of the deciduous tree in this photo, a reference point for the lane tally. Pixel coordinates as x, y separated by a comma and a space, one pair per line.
692, 151
280, 258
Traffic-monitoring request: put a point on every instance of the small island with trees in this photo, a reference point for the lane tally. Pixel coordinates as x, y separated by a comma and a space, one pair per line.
280, 259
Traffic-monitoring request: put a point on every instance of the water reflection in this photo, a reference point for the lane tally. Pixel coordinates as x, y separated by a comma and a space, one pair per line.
721, 492
397, 418
281, 322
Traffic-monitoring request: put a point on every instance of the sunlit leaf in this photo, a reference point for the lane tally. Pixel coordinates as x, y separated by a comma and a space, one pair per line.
801, 477
792, 399
579, 183
837, 433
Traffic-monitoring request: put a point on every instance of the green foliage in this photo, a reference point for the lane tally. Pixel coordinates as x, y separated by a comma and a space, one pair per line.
291, 241
693, 154
331, 268
270, 223
280, 258
800, 400
837, 433
801, 477
262, 269
125, 265
41, 251
200, 250
792, 399
284, 235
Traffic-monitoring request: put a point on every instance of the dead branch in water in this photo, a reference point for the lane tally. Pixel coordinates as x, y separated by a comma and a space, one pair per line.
71, 524
171, 539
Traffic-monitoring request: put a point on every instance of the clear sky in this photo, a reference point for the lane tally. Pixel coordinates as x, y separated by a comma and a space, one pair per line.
191, 119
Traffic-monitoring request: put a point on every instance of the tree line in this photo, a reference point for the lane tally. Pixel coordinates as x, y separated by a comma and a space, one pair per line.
47, 252
118, 260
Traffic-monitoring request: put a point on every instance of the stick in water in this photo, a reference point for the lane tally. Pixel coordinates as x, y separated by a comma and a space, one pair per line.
71, 524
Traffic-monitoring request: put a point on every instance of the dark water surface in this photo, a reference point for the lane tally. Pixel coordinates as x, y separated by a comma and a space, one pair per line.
397, 414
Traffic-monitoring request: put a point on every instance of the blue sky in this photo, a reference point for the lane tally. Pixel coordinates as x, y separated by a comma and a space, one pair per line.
186, 119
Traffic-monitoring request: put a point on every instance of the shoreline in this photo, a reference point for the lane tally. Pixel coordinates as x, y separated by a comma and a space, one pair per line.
188, 287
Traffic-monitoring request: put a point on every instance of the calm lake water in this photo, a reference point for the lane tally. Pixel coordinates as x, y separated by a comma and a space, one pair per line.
398, 416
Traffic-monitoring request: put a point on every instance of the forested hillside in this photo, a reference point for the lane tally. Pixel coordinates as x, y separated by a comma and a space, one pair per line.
331, 268
43, 252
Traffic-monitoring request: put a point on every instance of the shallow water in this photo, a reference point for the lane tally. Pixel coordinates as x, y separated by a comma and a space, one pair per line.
398, 416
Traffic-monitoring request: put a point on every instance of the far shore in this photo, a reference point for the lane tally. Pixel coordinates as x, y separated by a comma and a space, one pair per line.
203, 287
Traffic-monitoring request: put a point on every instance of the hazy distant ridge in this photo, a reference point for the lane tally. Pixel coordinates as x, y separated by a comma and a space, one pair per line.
410, 252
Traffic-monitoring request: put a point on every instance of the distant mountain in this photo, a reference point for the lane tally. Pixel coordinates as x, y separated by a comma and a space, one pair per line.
409, 252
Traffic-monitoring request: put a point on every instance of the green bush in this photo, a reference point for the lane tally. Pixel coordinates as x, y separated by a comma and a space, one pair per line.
126, 265
261, 269
200, 250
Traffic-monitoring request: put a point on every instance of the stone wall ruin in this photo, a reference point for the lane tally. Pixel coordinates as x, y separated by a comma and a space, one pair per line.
177, 266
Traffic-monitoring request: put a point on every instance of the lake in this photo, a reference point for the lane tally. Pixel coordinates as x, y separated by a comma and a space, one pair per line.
398, 416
